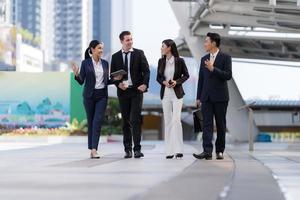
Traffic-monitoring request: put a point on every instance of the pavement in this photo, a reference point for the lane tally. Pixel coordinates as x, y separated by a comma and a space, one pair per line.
60, 168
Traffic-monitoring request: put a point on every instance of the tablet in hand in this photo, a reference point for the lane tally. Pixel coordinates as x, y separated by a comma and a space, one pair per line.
119, 72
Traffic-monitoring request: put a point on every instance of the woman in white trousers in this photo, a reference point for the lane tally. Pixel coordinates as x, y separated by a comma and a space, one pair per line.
171, 74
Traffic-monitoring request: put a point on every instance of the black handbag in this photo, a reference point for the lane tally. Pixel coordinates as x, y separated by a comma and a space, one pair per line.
198, 120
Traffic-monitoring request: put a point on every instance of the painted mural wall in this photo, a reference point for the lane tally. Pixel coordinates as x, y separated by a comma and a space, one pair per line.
34, 99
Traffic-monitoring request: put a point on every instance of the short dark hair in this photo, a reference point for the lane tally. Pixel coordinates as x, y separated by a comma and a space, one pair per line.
123, 34
214, 37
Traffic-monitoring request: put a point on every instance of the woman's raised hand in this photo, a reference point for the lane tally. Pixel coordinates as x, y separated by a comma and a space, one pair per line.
75, 68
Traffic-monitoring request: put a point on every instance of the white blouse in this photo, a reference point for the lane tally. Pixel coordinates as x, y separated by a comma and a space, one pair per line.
169, 75
99, 74
169, 69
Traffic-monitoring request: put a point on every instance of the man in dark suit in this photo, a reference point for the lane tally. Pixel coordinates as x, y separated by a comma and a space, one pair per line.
213, 96
130, 91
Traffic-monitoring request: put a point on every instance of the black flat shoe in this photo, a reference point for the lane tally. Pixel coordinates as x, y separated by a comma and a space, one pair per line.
203, 155
138, 154
179, 155
169, 157
128, 154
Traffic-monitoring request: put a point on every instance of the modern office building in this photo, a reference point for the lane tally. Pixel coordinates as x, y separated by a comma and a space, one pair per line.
27, 14
70, 29
101, 23
76, 23
65, 27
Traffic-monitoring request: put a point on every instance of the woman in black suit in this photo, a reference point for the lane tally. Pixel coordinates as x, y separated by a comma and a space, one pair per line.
95, 77
171, 74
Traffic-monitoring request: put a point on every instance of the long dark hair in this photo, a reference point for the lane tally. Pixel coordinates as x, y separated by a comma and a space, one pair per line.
171, 43
93, 45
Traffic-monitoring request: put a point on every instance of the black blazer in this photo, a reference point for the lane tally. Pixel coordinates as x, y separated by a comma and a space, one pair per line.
213, 85
181, 74
139, 68
87, 76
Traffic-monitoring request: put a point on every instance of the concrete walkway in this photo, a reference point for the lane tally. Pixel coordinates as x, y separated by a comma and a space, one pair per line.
63, 170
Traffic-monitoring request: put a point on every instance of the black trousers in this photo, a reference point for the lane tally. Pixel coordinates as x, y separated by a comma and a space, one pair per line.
95, 111
131, 108
209, 111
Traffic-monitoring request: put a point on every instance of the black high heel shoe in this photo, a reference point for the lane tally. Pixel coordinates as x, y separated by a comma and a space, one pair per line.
169, 157
179, 155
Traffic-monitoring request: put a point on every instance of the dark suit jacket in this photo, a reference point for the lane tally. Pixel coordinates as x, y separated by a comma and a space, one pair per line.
213, 85
87, 76
181, 74
139, 68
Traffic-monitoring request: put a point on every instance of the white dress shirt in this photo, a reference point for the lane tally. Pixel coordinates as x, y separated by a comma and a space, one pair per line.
99, 74
128, 67
213, 56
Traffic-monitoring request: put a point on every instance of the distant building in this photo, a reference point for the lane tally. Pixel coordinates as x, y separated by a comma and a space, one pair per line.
77, 22
63, 28
4, 11
102, 22
27, 14
70, 27
29, 58
8, 47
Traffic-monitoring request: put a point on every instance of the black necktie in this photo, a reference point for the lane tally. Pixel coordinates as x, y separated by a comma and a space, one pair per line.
126, 64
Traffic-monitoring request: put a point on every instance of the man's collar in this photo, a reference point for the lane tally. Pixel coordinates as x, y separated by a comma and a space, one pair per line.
130, 50
215, 54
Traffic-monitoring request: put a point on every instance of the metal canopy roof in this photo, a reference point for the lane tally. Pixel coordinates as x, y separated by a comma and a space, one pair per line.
258, 29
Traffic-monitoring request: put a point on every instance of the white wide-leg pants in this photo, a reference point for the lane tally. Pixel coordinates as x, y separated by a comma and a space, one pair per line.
172, 120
